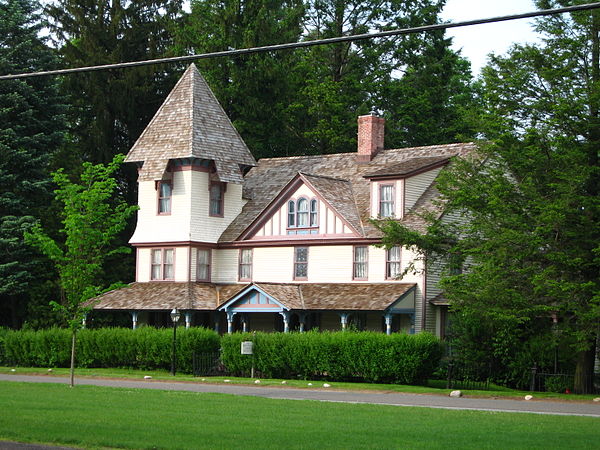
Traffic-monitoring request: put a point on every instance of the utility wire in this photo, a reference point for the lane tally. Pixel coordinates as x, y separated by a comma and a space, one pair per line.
334, 40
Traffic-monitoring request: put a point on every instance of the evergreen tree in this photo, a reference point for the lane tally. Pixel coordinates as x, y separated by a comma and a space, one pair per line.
112, 107
254, 90
32, 124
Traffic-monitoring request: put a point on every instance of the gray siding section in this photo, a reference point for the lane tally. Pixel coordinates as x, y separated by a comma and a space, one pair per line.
415, 186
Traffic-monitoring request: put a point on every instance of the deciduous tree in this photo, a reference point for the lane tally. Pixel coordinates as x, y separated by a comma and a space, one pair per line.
93, 215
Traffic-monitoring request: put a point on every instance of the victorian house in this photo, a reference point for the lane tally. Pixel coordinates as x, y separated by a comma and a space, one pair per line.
281, 243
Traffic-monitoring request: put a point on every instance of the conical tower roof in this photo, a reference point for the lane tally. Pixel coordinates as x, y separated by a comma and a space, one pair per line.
191, 124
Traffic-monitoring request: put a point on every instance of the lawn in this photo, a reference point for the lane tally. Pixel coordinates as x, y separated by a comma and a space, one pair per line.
88, 416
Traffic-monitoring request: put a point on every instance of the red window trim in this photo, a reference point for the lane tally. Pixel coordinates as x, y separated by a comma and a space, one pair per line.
388, 261
158, 198
301, 262
393, 201
222, 199
240, 264
162, 264
209, 264
354, 262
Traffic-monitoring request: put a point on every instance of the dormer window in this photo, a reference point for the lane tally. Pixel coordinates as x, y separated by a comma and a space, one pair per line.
303, 216
216, 199
164, 197
386, 200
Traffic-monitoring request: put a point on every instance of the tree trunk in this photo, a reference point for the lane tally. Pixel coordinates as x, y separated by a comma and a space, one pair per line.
73, 340
584, 371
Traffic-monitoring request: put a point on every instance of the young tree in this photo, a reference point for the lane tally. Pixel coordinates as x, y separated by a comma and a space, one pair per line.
532, 211
93, 215
32, 125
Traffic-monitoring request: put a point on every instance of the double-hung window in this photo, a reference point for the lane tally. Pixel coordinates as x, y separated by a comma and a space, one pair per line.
216, 199
164, 197
162, 264
203, 264
245, 264
392, 263
300, 263
360, 263
386, 200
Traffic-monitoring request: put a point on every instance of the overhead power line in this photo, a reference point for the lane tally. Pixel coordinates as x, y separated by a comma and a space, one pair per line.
292, 45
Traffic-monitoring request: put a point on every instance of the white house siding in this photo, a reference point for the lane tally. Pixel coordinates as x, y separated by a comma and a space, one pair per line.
182, 255
274, 264
415, 187
203, 227
152, 227
224, 268
330, 264
143, 264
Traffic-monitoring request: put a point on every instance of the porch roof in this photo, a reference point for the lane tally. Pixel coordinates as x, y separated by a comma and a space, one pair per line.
209, 296
166, 295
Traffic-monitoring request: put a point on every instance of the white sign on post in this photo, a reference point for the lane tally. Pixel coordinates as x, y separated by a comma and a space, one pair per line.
246, 347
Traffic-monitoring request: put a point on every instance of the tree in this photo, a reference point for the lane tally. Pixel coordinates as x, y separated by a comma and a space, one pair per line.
93, 216
32, 126
111, 108
530, 202
254, 90
414, 80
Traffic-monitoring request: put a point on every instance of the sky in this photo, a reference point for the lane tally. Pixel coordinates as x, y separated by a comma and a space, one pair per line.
478, 41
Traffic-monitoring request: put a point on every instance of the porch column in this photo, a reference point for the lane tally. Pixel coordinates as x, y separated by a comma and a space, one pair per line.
412, 324
134, 319
84, 320
286, 321
244, 323
344, 319
188, 319
388, 323
302, 321
230, 315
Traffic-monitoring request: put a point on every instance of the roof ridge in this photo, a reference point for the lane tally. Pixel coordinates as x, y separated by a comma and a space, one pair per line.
323, 176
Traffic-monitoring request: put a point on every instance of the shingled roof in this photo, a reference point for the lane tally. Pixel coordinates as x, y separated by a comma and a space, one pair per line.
265, 181
191, 124
167, 295
156, 296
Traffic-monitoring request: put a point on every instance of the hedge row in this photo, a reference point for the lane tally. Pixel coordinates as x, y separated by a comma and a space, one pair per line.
145, 348
368, 356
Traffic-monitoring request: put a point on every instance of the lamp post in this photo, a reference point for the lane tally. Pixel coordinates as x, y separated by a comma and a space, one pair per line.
175, 315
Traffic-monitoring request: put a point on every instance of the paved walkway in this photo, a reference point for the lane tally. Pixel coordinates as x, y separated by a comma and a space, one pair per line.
573, 408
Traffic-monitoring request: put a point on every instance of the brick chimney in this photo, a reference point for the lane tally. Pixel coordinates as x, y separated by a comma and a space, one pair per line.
370, 136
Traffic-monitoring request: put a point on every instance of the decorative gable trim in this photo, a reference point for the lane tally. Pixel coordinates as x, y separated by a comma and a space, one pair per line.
281, 199
272, 305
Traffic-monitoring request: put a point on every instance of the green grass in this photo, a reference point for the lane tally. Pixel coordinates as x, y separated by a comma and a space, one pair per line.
93, 417
433, 387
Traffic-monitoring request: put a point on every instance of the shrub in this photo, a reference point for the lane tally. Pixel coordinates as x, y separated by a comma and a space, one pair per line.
368, 356
144, 348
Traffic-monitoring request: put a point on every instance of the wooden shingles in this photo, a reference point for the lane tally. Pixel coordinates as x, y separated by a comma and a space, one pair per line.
191, 124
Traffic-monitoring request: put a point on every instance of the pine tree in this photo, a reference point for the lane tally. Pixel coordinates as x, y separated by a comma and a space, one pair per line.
32, 124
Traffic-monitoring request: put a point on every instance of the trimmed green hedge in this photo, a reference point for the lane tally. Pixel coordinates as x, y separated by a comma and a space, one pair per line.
144, 348
368, 356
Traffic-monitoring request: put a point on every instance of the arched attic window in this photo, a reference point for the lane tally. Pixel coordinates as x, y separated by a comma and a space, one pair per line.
303, 216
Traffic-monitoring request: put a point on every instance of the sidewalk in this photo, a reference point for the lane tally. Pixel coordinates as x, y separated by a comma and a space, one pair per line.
417, 400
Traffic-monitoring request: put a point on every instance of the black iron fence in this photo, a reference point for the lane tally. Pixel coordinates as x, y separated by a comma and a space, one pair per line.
207, 364
467, 376
559, 382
